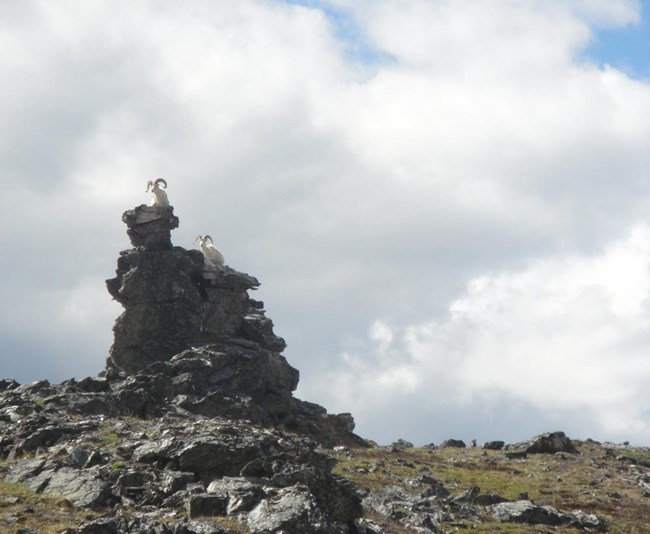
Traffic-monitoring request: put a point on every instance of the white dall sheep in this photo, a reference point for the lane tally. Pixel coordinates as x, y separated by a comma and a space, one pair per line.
213, 256
159, 195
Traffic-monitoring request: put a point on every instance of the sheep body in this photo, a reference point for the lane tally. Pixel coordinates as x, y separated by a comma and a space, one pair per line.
159, 195
213, 256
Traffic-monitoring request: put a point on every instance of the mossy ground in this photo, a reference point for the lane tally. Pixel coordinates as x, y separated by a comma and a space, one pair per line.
45, 514
599, 480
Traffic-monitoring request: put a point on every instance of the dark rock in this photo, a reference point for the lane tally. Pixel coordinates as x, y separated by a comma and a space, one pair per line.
469, 496
199, 527
529, 513
195, 396
493, 445
239, 494
400, 445
217, 458
332, 495
454, 443
292, 510
38, 388
206, 505
366, 526
548, 443
175, 481
77, 457
24, 470
84, 489
435, 489
489, 498
587, 521
515, 455
7, 384
92, 385
152, 452
172, 303
150, 226
102, 525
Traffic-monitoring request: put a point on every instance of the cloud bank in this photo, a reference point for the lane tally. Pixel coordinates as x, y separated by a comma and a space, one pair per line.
460, 179
569, 336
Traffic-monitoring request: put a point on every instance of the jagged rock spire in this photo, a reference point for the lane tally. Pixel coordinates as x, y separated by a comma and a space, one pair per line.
172, 302
191, 338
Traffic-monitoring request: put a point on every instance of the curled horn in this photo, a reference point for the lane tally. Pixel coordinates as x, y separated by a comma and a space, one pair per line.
208, 237
160, 181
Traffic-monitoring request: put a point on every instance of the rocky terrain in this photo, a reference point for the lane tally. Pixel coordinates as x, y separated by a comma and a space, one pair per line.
192, 428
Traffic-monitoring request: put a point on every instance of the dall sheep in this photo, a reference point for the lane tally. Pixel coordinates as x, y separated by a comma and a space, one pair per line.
213, 256
159, 195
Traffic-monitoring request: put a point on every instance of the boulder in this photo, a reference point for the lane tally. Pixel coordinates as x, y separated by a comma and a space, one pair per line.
292, 510
191, 339
529, 513
83, 488
548, 443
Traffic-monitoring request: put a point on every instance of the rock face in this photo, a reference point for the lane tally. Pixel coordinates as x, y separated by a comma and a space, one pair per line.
191, 338
172, 302
193, 428
194, 414
155, 474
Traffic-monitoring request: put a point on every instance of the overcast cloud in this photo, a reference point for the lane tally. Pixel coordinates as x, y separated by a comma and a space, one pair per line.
446, 201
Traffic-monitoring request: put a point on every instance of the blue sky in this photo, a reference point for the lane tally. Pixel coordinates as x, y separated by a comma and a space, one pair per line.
626, 48
348, 31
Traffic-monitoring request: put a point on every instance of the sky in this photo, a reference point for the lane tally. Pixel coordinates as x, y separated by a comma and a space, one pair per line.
447, 202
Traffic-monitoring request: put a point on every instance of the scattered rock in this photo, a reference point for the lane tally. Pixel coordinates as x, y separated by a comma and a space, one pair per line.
194, 420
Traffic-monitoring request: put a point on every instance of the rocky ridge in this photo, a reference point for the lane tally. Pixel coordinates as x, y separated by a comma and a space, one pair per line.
196, 367
192, 428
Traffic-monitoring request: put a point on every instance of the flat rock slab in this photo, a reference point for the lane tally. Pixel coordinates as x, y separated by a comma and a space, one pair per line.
83, 488
529, 513
532, 514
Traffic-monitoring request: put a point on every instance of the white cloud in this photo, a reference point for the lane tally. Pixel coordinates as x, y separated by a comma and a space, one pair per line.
567, 335
478, 141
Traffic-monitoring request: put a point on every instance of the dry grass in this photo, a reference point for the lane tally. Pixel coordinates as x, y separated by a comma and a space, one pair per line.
45, 514
594, 481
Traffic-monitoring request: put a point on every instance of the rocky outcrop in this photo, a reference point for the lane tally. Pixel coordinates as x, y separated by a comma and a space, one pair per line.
194, 415
192, 428
173, 302
173, 464
548, 443
192, 339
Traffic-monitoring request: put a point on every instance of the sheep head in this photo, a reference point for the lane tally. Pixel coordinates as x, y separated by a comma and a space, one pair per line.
152, 184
